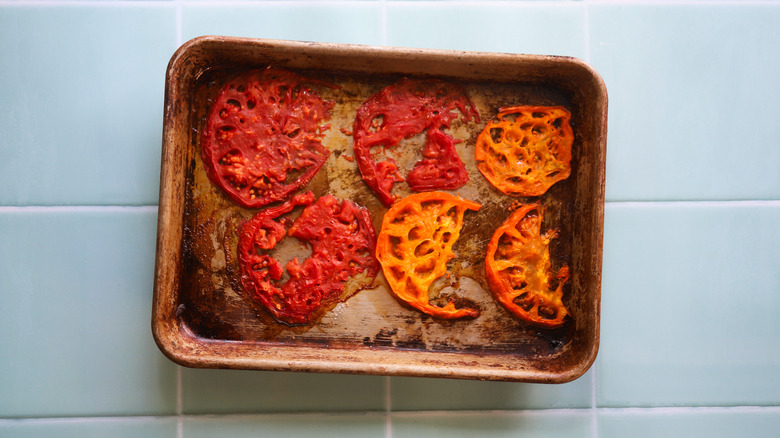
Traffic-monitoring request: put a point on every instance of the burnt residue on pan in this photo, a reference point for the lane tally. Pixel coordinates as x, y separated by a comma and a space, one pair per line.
214, 306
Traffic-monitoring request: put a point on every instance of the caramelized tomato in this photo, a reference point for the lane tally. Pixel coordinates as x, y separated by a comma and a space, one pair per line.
403, 110
527, 150
519, 272
342, 241
263, 136
415, 244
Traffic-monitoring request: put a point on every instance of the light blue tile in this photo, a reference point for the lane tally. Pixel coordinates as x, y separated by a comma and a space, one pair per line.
234, 391
754, 423
690, 305
412, 394
355, 23
75, 316
526, 424
280, 426
693, 96
531, 28
89, 428
82, 94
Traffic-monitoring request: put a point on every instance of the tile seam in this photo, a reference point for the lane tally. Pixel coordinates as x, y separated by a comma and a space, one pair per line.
593, 413
691, 409
154, 207
414, 414
76, 208
586, 14
495, 412
682, 3
157, 3
388, 409
383, 17
105, 4
701, 203
594, 421
95, 419
179, 405
179, 41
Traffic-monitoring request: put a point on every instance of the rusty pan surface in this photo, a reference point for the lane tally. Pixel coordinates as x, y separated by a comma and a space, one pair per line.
202, 317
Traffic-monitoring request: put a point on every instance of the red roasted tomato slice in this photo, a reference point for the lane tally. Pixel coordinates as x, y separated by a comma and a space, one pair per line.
403, 110
263, 136
342, 241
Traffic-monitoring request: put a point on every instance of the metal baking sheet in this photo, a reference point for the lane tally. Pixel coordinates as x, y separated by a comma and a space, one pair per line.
202, 317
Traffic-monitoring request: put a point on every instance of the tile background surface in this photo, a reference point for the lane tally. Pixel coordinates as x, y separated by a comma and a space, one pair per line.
690, 341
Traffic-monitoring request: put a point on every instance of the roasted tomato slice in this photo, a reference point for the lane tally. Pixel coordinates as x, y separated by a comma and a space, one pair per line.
415, 244
527, 150
342, 241
263, 136
519, 271
403, 110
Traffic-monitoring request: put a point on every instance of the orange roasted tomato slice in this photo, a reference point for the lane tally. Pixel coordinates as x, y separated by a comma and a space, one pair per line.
519, 271
342, 241
415, 244
527, 150
263, 136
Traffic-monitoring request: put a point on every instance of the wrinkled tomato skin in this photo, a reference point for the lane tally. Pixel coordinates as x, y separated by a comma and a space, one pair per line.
342, 240
403, 110
262, 140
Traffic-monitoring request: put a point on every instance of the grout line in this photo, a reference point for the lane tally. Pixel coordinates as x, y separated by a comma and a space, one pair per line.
553, 412
179, 409
702, 203
95, 419
683, 3
587, 32
586, 411
156, 3
108, 4
383, 17
179, 41
692, 409
388, 409
77, 208
154, 208
594, 420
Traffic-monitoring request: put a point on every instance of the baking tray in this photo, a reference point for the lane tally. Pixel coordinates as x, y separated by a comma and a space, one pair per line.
202, 318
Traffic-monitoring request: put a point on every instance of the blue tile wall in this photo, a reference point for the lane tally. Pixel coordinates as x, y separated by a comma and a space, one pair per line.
224, 392
83, 97
416, 394
702, 278
287, 425
75, 315
512, 27
680, 424
531, 424
693, 93
690, 339
348, 23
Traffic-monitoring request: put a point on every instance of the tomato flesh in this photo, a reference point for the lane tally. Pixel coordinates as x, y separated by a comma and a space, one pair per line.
527, 150
263, 136
342, 241
415, 245
519, 270
403, 110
